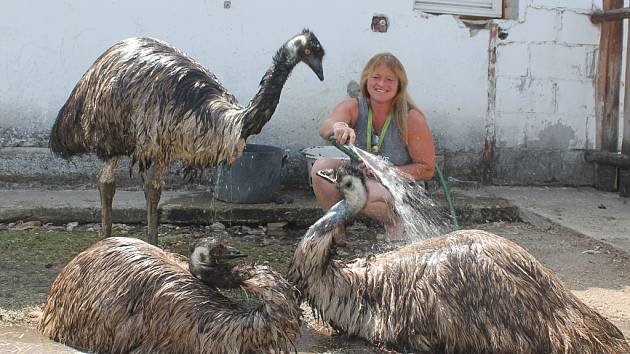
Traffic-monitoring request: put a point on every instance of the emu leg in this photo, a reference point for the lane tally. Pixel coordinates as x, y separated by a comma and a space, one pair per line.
107, 189
153, 183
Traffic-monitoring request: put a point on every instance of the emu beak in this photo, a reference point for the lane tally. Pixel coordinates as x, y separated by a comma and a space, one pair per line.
316, 65
232, 253
320, 73
328, 174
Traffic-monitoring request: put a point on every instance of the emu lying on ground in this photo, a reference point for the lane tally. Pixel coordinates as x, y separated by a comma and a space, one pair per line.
123, 295
143, 98
466, 292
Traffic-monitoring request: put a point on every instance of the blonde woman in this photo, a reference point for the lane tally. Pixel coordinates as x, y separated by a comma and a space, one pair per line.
385, 121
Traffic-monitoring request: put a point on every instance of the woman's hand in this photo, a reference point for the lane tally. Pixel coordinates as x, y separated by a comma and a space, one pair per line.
339, 123
343, 133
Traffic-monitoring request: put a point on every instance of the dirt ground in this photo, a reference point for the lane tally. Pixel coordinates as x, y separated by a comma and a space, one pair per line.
597, 273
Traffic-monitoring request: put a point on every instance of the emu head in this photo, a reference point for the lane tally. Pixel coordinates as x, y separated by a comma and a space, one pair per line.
306, 47
207, 262
352, 184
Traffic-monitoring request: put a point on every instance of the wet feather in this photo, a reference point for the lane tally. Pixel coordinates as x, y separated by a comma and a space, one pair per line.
469, 291
123, 295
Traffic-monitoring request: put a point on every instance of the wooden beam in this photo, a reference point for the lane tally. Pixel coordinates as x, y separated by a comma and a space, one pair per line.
610, 15
624, 173
608, 158
607, 95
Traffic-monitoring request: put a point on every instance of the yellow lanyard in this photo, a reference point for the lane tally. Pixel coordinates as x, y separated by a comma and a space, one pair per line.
376, 149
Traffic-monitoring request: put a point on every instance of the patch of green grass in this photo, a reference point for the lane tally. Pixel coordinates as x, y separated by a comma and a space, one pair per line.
174, 242
59, 246
43, 246
177, 243
278, 256
30, 260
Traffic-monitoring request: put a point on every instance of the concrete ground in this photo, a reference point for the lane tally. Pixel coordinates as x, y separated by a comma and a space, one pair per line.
599, 215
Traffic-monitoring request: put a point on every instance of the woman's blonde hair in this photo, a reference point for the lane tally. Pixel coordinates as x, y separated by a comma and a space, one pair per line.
402, 102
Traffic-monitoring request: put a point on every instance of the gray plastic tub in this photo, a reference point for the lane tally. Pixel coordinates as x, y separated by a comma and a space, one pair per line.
253, 178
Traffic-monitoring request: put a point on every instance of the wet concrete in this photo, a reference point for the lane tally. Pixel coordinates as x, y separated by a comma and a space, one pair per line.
26, 340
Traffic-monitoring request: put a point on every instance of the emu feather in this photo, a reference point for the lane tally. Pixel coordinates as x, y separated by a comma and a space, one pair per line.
123, 295
469, 291
145, 99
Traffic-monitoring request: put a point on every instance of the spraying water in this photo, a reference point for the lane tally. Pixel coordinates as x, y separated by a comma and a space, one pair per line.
420, 215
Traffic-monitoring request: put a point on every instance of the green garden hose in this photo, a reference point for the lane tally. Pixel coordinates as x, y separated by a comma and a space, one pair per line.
344, 149
438, 172
447, 194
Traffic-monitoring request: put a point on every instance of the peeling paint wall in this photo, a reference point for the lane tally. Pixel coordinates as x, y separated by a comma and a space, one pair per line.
545, 66
546, 70
46, 47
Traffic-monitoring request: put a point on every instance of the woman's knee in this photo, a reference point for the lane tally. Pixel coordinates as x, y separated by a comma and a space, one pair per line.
377, 193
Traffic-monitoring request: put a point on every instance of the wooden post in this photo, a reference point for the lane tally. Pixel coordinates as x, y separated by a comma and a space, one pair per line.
607, 95
624, 173
488, 169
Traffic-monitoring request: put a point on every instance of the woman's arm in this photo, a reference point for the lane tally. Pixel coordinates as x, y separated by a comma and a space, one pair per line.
420, 147
340, 122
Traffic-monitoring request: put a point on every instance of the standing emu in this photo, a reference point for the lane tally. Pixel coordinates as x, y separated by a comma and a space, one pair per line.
145, 99
466, 292
123, 295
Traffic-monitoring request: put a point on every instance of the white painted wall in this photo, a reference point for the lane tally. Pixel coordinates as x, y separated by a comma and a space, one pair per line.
545, 69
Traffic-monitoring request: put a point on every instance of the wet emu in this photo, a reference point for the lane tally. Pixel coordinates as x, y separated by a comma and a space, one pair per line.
465, 292
124, 295
145, 99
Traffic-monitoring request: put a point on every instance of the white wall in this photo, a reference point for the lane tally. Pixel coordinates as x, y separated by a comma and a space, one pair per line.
546, 70
545, 67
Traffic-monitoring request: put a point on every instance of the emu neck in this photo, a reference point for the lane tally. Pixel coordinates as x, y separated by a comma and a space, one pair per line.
264, 103
331, 287
312, 254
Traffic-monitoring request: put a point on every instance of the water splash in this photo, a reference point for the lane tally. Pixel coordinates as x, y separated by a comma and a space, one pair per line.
420, 215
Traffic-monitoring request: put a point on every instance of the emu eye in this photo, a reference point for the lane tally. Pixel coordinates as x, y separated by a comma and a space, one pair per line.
307, 51
217, 251
348, 184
